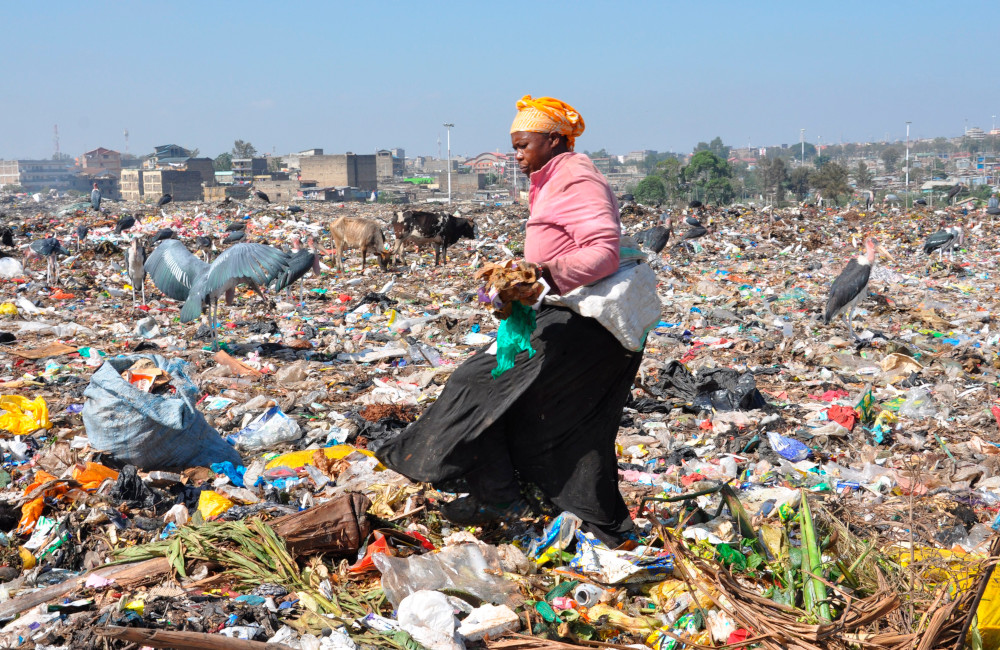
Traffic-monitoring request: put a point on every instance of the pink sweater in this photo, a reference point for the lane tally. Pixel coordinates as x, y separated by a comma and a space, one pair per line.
574, 225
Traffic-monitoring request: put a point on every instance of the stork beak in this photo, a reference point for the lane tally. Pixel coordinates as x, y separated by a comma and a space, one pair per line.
880, 249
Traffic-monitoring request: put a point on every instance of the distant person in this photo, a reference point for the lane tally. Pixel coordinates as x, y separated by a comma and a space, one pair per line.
869, 201
819, 200
993, 203
95, 198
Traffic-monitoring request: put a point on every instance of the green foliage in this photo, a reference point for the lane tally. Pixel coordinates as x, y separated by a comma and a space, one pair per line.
600, 153
650, 191
243, 149
799, 182
715, 146
773, 174
862, 177
710, 176
16, 189
821, 160
890, 157
831, 181
223, 162
672, 173
274, 164
65, 157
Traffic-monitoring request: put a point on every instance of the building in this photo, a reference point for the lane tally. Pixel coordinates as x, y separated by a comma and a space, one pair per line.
36, 175
466, 184
341, 170
101, 160
975, 133
487, 163
281, 191
181, 185
106, 181
167, 155
130, 185
291, 160
222, 192
244, 169
634, 157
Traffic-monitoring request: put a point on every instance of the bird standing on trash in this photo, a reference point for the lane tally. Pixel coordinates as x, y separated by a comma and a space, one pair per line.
48, 248
945, 241
95, 198
126, 222
135, 265
254, 264
852, 285
263, 197
695, 231
165, 199
655, 239
81, 234
162, 234
7, 237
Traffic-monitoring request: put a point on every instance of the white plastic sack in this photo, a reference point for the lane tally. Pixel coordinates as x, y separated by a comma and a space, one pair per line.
625, 303
430, 619
147, 430
10, 268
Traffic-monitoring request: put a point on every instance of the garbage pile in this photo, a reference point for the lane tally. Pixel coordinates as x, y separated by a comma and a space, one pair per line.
792, 486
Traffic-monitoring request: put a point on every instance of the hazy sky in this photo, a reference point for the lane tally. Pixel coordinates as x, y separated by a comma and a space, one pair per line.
358, 76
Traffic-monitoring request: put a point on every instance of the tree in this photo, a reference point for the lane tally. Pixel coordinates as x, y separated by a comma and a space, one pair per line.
890, 157
715, 146
223, 162
61, 156
243, 149
773, 174
650, 191
798, 182
821, 160
274, 164
600, 153
670, 171
709, 175
862, 177
831, 181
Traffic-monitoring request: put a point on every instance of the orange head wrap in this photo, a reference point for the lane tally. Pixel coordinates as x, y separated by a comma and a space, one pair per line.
548, 115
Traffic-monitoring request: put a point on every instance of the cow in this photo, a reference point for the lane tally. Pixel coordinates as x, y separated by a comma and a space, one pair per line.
359, 233
421, 228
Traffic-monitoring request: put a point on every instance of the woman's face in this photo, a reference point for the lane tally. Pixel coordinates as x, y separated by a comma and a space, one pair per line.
533, 150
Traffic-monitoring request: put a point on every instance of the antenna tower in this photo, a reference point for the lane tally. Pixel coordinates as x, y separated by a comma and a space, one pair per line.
126, 141
55, 139
439, 147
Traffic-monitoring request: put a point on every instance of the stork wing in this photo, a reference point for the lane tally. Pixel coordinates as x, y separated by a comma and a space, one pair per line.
937, 240
851, 281
196, 298
298, 265
255, 263
691, 221
174, 269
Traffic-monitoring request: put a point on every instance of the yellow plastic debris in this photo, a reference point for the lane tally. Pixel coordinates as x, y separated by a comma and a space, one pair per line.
988, 613
212, 504
27, 559
22, 415
8, 309
302, 458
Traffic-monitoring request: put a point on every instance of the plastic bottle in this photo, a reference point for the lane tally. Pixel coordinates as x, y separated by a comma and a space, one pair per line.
787, 448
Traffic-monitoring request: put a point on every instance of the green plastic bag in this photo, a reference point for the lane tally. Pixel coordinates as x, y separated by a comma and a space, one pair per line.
514, 336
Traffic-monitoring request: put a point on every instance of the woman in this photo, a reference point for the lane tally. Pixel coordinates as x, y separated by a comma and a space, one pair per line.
552, 419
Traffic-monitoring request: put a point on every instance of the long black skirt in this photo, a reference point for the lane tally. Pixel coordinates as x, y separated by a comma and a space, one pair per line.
552, 419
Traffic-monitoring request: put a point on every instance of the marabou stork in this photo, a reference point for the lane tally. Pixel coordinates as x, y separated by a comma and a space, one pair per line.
95, 198
656, 238
300, 262
695, 231
226, 202
294, 209
165, 199
945, 241
7, 237
953, 192
204, 244
263, 197
254, 264
162, 234
921, 202
48, 248
851, 286
174, 269
126, 222
81, 234
236, 225
135, 265
235, 236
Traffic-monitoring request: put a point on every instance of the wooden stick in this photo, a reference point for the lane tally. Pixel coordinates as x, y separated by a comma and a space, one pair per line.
183, 640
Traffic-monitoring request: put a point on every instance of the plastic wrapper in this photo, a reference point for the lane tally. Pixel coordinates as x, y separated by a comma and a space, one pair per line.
22, 416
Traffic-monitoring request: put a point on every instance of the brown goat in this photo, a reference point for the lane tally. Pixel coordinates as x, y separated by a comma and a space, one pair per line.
359, 233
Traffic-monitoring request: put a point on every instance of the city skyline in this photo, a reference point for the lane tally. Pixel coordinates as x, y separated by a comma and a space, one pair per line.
361, 78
